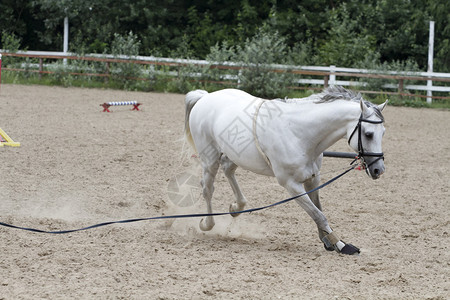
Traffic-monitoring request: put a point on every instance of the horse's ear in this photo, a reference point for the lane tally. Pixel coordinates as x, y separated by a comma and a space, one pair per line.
382, 106
363, 106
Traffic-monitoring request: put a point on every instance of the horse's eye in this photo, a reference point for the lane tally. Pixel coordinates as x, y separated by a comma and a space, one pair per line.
369, 135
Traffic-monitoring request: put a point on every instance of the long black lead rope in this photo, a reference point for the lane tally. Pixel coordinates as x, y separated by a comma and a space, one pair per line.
181, 216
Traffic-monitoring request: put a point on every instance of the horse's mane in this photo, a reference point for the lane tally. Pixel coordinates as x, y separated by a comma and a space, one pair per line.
337, 92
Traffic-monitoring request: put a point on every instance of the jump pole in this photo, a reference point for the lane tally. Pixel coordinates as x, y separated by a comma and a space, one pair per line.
106, 105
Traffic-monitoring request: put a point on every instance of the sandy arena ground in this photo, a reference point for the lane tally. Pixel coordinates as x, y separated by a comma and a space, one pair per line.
78, 166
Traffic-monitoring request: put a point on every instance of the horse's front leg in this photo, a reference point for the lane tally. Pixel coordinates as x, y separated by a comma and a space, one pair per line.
310, 185
328, 237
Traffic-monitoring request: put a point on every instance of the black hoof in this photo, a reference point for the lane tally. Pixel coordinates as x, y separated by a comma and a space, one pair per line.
328, 248
349, 249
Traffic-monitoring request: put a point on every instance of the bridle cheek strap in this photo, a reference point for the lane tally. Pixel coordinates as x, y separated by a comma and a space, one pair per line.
361, 153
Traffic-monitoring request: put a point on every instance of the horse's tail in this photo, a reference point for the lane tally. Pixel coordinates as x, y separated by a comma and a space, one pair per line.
191, 99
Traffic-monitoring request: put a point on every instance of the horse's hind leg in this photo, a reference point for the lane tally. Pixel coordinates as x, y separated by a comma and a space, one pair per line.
229, 168
210, 167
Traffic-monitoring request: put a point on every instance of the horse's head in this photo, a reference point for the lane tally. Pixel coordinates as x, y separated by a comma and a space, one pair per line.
367, 136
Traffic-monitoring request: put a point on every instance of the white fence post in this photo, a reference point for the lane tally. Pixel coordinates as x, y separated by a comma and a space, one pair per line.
239, 79
332, 80
66, 38
430, 62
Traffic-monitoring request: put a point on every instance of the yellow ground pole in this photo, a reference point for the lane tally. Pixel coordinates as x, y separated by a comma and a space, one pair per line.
7, 140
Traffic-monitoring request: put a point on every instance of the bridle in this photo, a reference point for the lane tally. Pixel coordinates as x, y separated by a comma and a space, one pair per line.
361, 153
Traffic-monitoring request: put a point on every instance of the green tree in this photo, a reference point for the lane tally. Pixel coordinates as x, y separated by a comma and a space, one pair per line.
347, 43
341, 32
439, 11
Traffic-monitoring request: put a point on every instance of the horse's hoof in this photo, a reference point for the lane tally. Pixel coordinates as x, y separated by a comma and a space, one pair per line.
206, 225
349, 249
233, 212
328, 248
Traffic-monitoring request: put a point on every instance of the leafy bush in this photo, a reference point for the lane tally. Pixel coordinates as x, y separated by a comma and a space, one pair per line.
256, 57
385, 68
223, 53
125, 73
188, 77
10, 42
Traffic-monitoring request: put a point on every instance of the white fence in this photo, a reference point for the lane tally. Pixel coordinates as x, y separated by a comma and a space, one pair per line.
329, 75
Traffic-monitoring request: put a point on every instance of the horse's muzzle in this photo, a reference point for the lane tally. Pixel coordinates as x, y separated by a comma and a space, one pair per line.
376, 170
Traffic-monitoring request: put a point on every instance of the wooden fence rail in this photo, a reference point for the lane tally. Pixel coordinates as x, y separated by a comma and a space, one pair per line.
328, 75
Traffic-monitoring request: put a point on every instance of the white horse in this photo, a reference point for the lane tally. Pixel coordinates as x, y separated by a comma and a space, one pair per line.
281, 138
